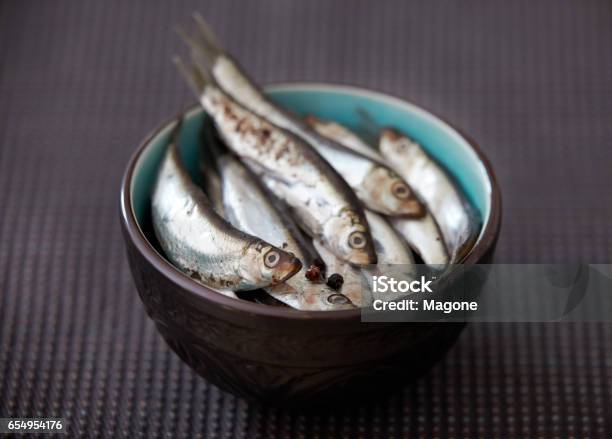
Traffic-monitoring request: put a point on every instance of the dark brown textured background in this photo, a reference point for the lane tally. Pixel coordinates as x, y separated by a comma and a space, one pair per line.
82, 82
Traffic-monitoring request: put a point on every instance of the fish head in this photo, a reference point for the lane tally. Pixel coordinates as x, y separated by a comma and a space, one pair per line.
332, 300
396, 148
324, 298
348, 237
303, 294
386, 192
263, 264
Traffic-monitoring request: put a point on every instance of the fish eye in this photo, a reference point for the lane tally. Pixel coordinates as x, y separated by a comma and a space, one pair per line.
400, 190
338, 299
357, 240
271, 258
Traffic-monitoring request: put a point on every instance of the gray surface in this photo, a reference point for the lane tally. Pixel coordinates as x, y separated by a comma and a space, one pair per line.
82, 82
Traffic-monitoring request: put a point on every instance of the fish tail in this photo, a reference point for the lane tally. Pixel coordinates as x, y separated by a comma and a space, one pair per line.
195, 77
202, 55
205, 44
190, 41
209, 40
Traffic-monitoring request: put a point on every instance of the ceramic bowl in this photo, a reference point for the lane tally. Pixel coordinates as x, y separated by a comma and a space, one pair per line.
281, 355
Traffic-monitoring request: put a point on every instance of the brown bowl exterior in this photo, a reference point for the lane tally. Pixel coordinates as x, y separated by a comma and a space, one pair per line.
278, 355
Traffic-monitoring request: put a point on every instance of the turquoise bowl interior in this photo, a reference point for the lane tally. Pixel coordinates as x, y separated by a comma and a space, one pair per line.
358, 109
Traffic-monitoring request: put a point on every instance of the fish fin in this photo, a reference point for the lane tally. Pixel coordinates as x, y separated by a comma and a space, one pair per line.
184, 36
204, 43
200, 55
203, 66
189, 40
212, 44
195, 45
192, 75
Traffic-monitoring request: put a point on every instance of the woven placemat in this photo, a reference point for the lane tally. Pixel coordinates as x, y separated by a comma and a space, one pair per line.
82, 82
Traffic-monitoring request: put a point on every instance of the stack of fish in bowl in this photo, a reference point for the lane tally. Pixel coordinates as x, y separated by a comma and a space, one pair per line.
295, 212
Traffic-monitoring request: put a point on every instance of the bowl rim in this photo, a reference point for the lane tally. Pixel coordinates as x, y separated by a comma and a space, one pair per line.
200, 292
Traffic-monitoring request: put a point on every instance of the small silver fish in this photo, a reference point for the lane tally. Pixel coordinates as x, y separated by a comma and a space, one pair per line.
393, 254
353, 284
434, 187
342, 135
376, 184
325, 206
422, 234
201, 243
249, 207
390, 247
